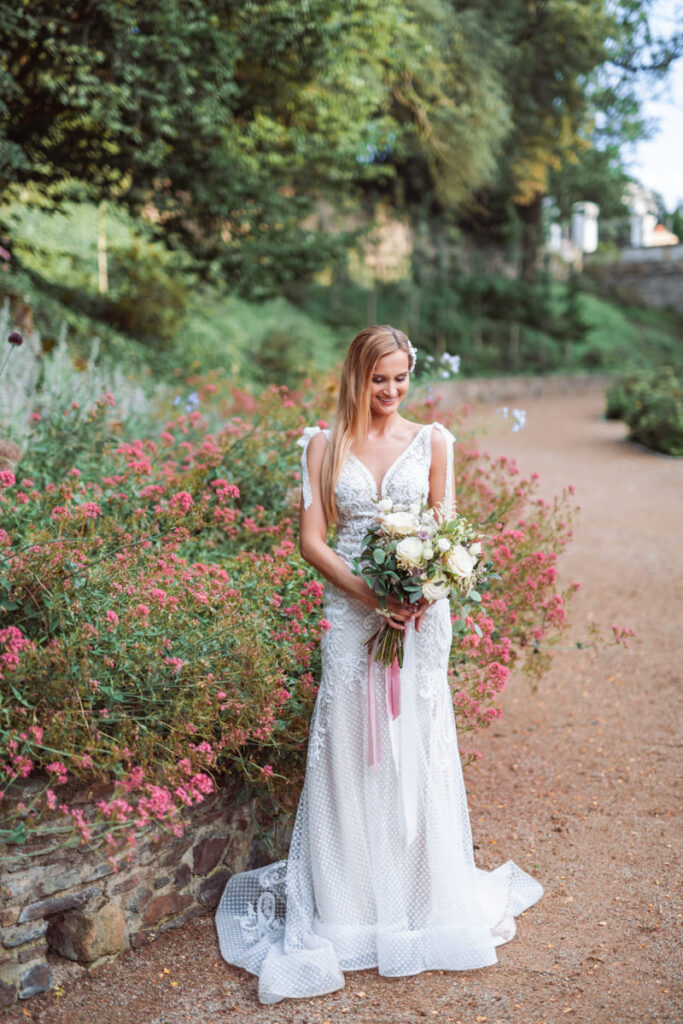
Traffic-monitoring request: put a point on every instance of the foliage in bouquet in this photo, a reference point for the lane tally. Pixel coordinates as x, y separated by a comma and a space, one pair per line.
413, 553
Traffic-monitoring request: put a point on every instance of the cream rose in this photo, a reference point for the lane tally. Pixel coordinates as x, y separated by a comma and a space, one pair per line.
427, 551
443, 544
460, 562
475, 549
434, 590
400, 524
409, 552
385, 505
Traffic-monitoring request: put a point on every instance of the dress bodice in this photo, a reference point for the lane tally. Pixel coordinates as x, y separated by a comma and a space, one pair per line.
406, 480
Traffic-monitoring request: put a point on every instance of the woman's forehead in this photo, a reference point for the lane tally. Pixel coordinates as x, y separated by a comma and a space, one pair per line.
397, 361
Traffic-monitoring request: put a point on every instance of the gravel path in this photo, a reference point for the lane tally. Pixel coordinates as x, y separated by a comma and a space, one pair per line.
576, 785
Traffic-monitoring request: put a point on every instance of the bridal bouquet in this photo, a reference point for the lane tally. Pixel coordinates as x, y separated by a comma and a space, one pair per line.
411, 553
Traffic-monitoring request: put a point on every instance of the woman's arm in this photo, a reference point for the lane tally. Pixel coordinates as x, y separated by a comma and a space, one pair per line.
439, 475
440, 480
317, 552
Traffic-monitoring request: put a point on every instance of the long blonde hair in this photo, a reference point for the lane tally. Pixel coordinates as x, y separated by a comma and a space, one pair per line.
352, 421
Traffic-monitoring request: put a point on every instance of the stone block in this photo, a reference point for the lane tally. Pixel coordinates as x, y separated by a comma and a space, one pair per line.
260, 855
19, 935
176, 850
65, 880
9, 916
8, 993
137, 899
143, 937
45, 908
25, 884
182, 876
210, 889
36, 979
35, 951
207, 853
86, 934
100, 871
125, 885
182, 919
166, 906
160, 882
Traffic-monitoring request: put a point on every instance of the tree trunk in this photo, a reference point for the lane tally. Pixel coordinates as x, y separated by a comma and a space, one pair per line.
530, 216
102, 273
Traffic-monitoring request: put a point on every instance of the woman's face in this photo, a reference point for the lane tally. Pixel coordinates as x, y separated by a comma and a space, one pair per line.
390, 382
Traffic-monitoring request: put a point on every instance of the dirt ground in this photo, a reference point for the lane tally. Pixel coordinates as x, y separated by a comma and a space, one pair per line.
576, 785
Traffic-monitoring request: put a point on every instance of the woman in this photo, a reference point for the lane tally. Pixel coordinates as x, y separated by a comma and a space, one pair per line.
380, 870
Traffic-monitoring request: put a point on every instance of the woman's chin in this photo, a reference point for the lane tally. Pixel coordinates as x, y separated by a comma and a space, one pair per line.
385, 408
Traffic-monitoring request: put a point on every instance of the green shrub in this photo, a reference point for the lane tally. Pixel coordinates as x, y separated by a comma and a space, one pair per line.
651, 405
619, 396
149, 294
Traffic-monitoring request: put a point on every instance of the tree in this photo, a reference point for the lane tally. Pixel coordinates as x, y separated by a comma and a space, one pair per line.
571, 74
220, 120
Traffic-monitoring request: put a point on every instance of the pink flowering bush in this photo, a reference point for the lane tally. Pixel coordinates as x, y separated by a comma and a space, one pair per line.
160, 628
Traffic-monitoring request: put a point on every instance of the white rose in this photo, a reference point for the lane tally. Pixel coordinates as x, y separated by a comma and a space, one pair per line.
409, 552
427, 550
460, 562
475, 549
433, 590
399, 524
385, 505
443, 544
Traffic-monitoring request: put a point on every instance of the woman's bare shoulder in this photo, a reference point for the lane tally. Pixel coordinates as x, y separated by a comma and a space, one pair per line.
318, 444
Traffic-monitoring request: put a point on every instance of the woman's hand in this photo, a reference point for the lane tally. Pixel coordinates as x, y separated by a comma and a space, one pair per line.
401, 613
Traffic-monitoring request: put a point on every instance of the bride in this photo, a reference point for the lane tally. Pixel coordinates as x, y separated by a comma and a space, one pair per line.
380, 870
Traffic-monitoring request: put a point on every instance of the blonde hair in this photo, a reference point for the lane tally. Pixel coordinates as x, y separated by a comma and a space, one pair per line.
352, 420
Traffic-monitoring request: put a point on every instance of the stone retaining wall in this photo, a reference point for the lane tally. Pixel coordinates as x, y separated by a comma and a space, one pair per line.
72, 903
516, 389
656, 283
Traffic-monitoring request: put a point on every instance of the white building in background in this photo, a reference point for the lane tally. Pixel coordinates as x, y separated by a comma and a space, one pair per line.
646, 232
570, 241
584, 228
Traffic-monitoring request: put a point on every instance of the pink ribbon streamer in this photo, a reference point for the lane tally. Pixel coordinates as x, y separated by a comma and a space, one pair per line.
394, 688
394, 701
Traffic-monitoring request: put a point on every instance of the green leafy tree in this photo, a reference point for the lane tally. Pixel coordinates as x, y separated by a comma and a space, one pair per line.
221, 121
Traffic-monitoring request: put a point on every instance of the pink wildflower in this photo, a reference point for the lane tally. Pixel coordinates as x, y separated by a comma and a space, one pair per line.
89, 510
58, 769
182, 500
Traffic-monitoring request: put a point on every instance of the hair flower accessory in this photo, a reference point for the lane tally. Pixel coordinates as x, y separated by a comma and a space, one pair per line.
412, 351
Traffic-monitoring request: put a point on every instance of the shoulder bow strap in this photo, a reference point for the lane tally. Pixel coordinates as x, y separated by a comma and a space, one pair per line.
449, 502
303, 443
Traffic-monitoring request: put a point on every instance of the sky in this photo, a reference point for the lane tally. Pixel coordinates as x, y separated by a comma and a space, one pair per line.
658, 162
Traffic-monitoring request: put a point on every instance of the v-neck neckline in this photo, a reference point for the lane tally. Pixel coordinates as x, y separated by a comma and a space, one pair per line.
380, 487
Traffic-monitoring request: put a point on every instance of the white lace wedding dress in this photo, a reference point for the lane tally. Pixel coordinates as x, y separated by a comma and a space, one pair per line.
380, 870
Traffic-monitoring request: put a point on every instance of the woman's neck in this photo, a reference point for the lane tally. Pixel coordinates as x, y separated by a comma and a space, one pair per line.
385, 426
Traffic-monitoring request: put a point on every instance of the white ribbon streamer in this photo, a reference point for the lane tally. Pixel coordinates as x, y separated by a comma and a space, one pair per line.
403, 736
